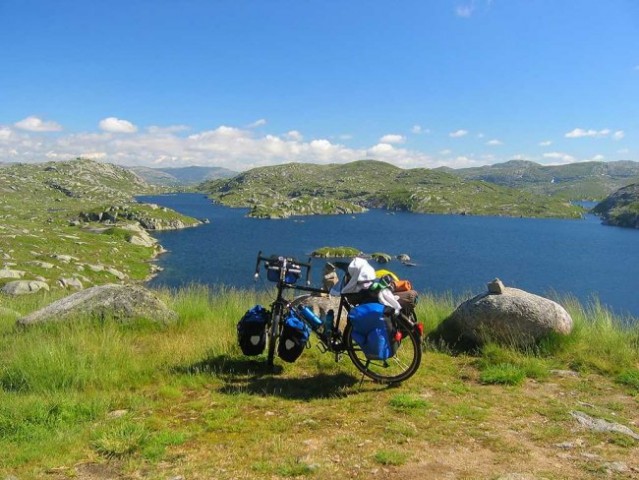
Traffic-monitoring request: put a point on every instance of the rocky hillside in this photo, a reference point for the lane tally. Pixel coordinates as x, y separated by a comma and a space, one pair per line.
74, 224
621, 209
575, 181
304, 189
180, 177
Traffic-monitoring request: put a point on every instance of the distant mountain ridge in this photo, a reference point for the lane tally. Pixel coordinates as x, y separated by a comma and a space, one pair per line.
181, 176
305, 189
574, 181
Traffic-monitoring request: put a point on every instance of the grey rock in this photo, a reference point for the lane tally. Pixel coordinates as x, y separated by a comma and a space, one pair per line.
402, 257
124, 303
24, 287
45, 265
514, 318
564, 373
7, 273
616, 467
600, 425
496, 287
117, 273
64, 258
518, 476
71, 283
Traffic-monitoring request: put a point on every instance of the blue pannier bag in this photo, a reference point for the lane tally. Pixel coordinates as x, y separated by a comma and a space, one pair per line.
251, 330
373, 330
295, 334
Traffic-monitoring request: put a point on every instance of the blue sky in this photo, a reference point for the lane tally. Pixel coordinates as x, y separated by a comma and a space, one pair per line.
241, 83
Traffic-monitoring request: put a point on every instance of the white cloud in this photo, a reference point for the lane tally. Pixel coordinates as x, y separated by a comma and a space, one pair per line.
581, 133
226, 146
257, 123
36, 124
480, 135
545, 143
294, 135
392, 138
561, 157
419, 130
381, 148
5, 133
93, 155
115, 125
598, 158
346, 136
494, 143
154, 129
465, 11
458, 133
623, 151
618, 135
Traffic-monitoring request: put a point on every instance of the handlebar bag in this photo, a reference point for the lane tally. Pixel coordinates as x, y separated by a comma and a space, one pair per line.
292, 275
251, 330
295, 335
373, 330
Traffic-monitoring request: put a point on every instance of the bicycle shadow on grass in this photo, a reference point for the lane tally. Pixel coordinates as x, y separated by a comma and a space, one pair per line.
246, 376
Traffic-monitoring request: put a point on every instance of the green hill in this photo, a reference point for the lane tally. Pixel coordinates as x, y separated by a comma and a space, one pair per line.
305, 189
77, 221
575, 181
621, 209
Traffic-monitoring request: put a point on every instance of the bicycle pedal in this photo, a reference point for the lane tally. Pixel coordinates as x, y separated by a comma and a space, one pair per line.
322, 348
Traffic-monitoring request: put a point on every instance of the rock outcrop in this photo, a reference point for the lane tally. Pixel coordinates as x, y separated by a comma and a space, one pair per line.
124, 303
8, 273
621, 209
513, 317
24, 287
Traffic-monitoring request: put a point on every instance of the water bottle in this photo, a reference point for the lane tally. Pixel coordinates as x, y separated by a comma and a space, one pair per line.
311, 318
328, 323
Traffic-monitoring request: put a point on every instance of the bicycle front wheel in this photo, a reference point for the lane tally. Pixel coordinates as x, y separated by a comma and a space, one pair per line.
274, 332
395, 369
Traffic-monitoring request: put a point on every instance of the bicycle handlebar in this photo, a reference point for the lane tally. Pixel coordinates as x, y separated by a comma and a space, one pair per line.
269, 260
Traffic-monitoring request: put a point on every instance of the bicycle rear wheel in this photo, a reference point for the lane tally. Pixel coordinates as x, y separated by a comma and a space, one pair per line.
395, 369
274, 332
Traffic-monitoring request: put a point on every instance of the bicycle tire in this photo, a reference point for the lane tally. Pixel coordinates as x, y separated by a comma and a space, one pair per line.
274, 333
398, 368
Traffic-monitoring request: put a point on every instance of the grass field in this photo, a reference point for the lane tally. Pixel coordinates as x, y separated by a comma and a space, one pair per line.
91, 400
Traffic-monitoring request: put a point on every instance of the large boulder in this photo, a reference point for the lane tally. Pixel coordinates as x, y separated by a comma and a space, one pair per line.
119, 302
24, 287
507, 316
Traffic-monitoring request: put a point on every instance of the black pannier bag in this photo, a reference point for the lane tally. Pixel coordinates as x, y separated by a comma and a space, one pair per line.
251, 330
295, 335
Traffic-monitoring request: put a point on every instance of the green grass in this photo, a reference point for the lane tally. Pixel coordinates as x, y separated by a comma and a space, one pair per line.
180, 399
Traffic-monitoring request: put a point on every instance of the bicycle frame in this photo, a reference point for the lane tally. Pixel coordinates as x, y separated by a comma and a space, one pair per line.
340, 342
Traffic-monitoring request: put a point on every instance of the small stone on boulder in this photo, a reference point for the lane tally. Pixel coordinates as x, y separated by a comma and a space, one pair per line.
124, 303
496, 287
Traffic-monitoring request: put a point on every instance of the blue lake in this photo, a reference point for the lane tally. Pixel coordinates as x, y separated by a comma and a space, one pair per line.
457, 254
